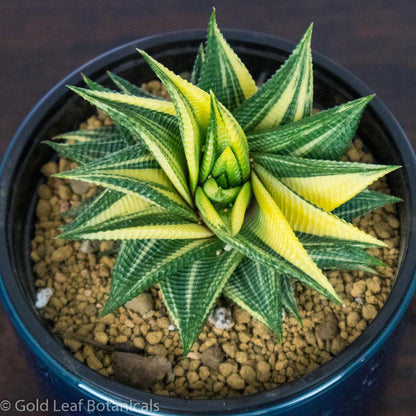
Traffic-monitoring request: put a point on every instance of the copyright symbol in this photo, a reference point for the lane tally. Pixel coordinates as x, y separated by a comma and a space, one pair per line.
5, 405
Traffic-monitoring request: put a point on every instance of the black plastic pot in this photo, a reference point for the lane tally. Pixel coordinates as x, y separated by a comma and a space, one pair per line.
340, 387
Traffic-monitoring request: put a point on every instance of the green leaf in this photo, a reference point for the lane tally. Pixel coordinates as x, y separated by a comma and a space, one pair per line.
362, 203
325, 183
156, 128
134, 171
226, 164
192, 107
257, 289
323, 135
217, 194
287, 96
344, 258
223, 72
128, 88
89, 144
216, 222
199, 62
190, 293
229, 135
289, 298
141, 263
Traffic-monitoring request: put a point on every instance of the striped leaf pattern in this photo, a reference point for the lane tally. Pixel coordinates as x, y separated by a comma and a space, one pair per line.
362, 203
134, 171
141, 263
225, 189
327, 184
257, 289
287, 96
128, 88
323, 135
222, 71
344, 258
307, 218
190, 293
83, 146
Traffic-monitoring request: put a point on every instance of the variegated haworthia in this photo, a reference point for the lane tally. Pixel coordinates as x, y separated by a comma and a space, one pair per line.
228, 188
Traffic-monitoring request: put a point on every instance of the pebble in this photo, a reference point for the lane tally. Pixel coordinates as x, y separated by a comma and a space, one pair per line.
212, 357
78, 187
142, 304
328, 329
369, 312
43, 297
61, 253
221, 318
236, 382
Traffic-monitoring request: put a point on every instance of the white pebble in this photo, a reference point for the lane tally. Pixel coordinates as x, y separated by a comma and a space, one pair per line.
218, 252
86, 247
42, 297
228, 247
221, 318
359, 300
171, 327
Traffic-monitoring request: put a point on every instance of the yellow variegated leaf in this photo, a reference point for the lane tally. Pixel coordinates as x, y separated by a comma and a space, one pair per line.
198, 99
238, 211
273, 228
227, 164
285, 97
306, 218
208, 212
223, 72
230, 134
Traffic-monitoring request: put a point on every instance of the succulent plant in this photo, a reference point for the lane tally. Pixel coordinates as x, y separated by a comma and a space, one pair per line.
229, 188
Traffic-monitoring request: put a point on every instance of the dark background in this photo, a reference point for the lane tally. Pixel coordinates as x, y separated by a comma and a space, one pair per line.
41, 41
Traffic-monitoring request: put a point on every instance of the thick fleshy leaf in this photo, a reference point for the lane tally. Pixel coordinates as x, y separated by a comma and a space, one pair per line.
157, 129
327, 184
223, 72
134, 171
199, 62
257, 289
141, 263
136, 100
192, 120
287, 96
150, 223
270, 226
289, 298
190, 293
323, 135
229, 134
198, 99
307, 218
227, 164
239, 208
362, 203
344, 258
128, 88
209, 214
217, 194
107, 205
87, 145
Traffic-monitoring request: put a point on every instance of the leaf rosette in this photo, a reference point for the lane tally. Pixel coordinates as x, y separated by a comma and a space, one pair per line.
226, 189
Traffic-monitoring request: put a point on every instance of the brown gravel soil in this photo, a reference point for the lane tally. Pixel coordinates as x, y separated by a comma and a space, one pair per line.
244, 359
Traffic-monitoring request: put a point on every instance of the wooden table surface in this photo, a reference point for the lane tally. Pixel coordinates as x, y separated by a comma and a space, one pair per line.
42, 41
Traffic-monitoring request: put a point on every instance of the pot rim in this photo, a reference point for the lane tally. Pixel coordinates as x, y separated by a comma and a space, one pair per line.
301, 390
